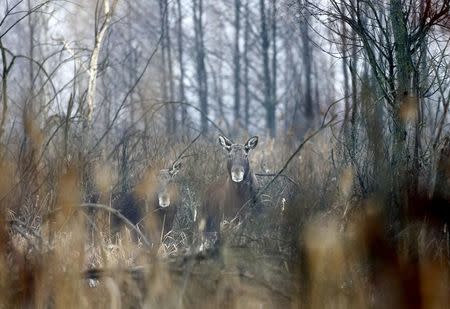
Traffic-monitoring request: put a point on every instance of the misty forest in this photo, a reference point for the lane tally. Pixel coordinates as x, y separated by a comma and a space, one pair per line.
224, 154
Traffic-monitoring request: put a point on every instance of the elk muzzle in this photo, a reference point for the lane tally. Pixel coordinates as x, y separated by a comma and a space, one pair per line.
164, 200
237, 173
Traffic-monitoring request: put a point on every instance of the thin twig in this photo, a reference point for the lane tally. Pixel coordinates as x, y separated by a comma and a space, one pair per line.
117, 213
180, 156
282, 175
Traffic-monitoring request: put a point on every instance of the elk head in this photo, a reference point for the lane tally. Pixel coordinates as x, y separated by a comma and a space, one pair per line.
238, 165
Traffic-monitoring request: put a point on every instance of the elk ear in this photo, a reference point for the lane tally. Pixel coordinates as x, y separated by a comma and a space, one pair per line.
175, 168
225, 142
251, 143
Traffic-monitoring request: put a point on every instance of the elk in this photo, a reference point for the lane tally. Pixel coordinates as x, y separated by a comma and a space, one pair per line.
225, 199
161, 204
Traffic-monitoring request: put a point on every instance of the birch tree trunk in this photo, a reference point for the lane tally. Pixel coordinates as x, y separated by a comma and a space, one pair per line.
108, 11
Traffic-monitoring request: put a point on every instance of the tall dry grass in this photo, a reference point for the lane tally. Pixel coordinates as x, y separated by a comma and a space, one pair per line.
317, 242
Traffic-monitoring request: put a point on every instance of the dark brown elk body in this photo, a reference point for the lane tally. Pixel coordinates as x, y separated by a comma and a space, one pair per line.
157, 208
225, 199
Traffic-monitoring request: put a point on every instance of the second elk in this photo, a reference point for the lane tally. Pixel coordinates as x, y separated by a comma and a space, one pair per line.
230, 198
153, 203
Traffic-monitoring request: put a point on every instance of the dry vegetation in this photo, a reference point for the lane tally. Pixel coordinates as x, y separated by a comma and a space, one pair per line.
318, 242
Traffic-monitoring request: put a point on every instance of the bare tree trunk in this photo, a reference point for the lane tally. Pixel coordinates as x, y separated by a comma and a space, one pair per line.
172, 107
86, 163
403, 63
88, 111
290, 72
6, 67
372, 117
202, 84
93, 62
355, 90
274, 55
181, 64
265, 45
237, 64
162, 16
31, 26
130, 68
420, 81
346, 82
246, 66
218, 92
307, 63
124, 168
442, 187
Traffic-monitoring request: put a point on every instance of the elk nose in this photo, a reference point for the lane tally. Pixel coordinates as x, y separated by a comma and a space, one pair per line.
164, 200
237, 173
